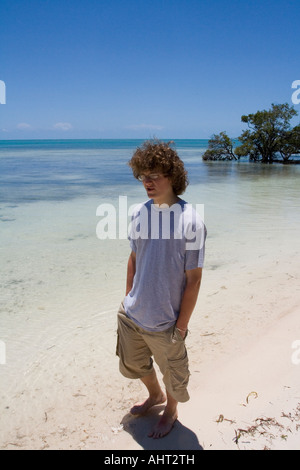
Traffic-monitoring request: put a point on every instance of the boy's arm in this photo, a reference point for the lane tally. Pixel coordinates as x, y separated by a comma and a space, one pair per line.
189, 299
131, 266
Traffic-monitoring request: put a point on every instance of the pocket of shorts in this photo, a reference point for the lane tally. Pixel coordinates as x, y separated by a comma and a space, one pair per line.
176, 336
179, 372
121, 308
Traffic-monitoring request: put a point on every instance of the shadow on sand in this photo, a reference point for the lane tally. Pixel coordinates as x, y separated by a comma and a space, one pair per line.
180, 438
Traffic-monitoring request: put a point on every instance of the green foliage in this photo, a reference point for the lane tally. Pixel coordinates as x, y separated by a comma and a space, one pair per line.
269, 135
220, 147
291, 143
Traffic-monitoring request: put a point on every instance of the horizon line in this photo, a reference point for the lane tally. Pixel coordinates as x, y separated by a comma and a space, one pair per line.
111, 138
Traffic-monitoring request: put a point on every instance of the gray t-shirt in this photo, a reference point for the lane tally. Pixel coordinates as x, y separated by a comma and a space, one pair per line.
167, 241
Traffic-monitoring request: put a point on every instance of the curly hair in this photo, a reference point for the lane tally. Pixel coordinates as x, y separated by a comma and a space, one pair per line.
158, 155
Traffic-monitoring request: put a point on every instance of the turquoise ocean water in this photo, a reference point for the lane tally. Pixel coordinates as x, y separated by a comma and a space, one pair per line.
51, 188
53, 170
57, 170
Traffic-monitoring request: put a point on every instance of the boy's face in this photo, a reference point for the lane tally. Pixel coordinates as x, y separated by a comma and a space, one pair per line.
158, 186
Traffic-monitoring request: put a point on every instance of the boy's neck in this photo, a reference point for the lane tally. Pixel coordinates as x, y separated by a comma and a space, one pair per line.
172, 199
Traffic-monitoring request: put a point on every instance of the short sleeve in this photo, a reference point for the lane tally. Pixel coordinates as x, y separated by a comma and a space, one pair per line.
132, 244
195, 237
134, 227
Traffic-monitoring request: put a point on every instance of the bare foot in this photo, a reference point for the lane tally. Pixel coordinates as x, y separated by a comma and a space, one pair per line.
164, 425
142, 408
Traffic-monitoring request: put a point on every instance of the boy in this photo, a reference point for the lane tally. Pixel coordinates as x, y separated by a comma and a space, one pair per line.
163, 279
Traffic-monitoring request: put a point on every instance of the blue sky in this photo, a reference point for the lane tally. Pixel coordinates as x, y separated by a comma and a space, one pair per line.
138, 68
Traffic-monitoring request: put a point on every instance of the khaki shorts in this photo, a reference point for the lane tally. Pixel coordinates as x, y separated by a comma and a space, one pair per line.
136, 346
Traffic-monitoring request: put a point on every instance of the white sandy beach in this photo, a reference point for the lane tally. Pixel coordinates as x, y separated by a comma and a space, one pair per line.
61, 388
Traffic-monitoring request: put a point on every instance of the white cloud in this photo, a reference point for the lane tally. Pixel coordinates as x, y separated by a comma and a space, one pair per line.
23, 126
64, 126
137, 127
